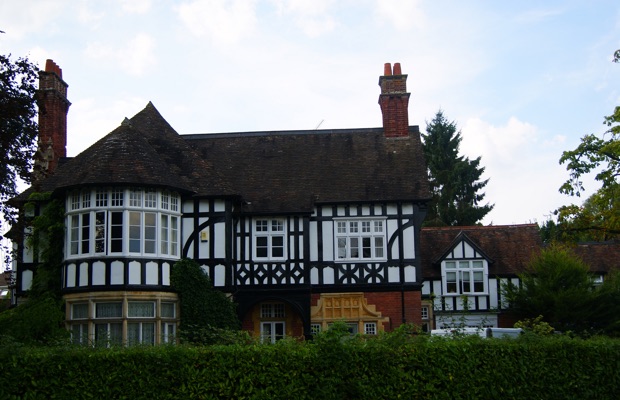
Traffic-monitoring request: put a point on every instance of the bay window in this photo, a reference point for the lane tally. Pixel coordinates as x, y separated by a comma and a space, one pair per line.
123, 221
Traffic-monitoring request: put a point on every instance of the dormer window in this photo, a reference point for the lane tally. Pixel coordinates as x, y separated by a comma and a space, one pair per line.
468, 277
119, 221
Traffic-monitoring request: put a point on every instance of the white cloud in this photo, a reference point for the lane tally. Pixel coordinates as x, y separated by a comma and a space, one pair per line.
402, 14
90, 119
89, 17
498, 144
313, 17
224, 21
135, 6
538, 15
134, 57
31, 16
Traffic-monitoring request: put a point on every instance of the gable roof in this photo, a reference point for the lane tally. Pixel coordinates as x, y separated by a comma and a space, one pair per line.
144, 150
601, 257
292, 170
509, 247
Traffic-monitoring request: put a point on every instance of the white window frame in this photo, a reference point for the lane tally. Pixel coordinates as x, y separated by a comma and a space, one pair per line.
458, 277
266, 233
360, 239
272, 335
150, 225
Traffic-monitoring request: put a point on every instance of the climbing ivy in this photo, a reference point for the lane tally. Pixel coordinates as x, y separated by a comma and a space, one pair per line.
40, 319
207, 315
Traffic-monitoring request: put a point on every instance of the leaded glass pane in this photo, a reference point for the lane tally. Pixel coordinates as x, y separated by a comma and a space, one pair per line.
141, 309
79, 311
108, 310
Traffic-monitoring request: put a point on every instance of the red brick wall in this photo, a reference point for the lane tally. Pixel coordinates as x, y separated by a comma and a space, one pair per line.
390, 305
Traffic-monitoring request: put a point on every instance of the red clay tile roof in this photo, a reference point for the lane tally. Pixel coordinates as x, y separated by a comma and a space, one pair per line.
144, 150
274, 172
290, 171
510, 247
600, 257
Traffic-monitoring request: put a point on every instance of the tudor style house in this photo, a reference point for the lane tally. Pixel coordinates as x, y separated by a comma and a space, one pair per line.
300, 228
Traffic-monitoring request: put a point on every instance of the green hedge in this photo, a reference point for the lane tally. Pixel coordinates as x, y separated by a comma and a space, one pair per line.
328, 369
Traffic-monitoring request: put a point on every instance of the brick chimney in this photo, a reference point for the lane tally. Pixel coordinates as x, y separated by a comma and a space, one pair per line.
394, 101
53, 109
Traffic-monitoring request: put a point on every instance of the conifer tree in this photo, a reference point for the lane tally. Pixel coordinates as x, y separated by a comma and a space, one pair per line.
455, 179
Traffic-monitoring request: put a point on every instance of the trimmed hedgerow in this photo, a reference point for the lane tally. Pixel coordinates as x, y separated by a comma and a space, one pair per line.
329, 368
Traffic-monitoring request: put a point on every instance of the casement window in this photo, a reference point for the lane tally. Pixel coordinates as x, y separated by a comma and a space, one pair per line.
140, 333
272, 310
464, 277
269, 239
360, 239
424, 313
168, 328
272, 325
133, 222
123, 322
272, 331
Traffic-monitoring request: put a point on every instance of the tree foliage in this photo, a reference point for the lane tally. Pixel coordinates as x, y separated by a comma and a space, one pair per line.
558, 285
206, 314
599, 217
18, 126
455, 180
40, 319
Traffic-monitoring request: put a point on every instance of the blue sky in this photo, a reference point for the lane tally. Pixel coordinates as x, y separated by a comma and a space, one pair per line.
523, 80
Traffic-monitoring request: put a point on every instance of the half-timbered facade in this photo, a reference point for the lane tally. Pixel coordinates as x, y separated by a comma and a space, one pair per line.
302, 228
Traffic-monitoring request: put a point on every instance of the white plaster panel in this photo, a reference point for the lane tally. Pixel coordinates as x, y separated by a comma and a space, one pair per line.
220, 205
99, 273
407, 208
393, 274
220, 276
391, 209
71, 269
483, 303
340, 211
26, 279
314, 250
187, 206
365, 210
134, 273
117, 276
328, 241
493, 295
469, 251
220, 240
83, 274
426, 288
165, 274
314, 276
409, 242
152, 277
328, 275
458, 250
326, 211
410, 274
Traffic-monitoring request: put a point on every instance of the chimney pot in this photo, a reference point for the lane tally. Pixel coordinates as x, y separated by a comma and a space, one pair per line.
387, 69
397, 70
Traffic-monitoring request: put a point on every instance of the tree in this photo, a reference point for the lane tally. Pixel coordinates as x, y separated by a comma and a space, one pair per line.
455, 180
207, 315
559, 286
600, 155
18, 127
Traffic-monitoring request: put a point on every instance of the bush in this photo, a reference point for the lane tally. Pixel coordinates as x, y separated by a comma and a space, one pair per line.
330, 368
